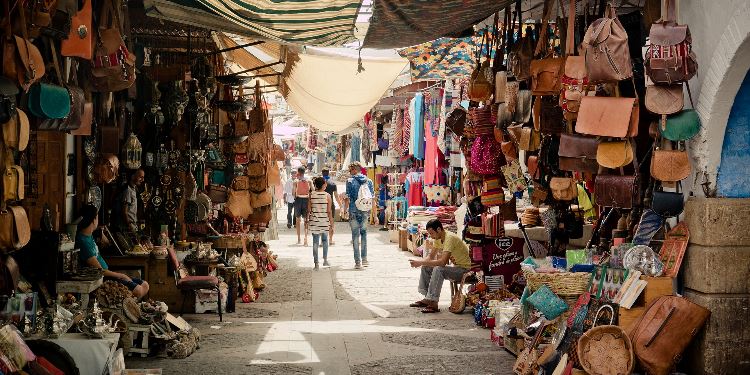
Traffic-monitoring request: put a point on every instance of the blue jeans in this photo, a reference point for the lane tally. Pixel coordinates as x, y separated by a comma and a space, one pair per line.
324, 238
359, 230
650, 223
431, 280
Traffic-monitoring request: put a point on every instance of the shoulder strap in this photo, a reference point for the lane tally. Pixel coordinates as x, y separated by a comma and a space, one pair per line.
543, 33
671, 15
570, 36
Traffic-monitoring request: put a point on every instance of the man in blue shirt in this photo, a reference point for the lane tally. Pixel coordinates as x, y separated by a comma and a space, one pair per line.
89, 252
357, 218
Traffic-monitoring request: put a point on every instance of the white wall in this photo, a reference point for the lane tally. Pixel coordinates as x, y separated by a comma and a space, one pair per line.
721, 41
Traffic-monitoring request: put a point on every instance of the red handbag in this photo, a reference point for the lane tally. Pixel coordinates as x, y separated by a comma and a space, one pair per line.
486, 156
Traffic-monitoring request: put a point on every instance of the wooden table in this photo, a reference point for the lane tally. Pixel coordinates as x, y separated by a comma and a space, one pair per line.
82, 287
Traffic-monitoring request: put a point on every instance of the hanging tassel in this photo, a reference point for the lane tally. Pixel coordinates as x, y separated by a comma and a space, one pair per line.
360, 67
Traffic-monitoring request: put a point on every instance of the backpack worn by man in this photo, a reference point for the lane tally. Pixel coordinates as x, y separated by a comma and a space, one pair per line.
364, 197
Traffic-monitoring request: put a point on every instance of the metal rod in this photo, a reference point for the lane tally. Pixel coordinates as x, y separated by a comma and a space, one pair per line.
231, 48
260, 67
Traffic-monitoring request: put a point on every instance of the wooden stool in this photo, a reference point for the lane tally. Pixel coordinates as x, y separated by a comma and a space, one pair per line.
139, 335
82, 287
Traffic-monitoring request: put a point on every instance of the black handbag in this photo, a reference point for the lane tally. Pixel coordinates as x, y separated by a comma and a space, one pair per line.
8, 92
668, 204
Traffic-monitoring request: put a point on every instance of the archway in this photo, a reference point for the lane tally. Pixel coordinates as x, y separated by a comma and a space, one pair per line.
733, 177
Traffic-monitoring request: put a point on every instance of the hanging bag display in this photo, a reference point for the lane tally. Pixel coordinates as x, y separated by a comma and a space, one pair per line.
606, 48
548, 115
546, 72
113, 66
21, 59
78, 43
578, 153
574, 82
608, 117
614, 154
48, 101
238, 204
670, 165
670, 57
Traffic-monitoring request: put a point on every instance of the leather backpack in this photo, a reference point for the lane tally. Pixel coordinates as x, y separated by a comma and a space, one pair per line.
607, 53
113, 66
665, 329
670, 57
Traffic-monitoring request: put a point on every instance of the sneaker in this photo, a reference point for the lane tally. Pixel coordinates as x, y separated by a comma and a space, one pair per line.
289, 226
365, 263
316, 267
325, 263
357, 266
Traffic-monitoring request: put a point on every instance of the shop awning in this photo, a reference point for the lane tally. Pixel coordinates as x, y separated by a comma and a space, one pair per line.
402, 23
241, 60
306, 22
323, 85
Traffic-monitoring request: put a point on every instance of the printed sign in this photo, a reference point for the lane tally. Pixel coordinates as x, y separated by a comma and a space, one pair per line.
503, 257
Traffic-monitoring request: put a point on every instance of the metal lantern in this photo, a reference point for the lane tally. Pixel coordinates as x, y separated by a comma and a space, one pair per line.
133, 152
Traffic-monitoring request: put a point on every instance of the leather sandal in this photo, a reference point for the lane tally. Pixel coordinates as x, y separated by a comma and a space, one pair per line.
418, 304
430, 310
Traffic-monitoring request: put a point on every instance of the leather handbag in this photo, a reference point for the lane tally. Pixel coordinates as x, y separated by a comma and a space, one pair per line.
573, 86
670, 57
616, 191
578, 153
8, 92
48, 101
614, 154
539, 195
456, 121
21, 59
16, 131
480, 89
532, 165
238, 204
665, 329
13, 183
256, 169
670, 165
87, 119
563, 189
260, 216
608, 117
545, 76
606, 48
241, 183
548, 116
78, 43
15, 231
273, 174
258, 200
682, 126
527, 138
113, 66
519, 59
664, 99
667, 203
218, 193
509, 149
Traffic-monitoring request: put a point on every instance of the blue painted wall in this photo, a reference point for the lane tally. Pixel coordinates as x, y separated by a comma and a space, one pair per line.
734, 171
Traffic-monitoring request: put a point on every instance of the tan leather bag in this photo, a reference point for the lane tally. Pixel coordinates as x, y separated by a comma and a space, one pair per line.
614, 154
13, 187
274, 174
545, 76
527, 138
480, 89
16, 131
563, 188
21, 59
663, 332
238, 205
15, 231
664, 100
256, 169
258, 200
608, 117
670, 165
241, 183
606, 49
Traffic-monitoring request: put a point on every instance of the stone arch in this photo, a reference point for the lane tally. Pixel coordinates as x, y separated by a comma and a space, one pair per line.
733, 179
723, 77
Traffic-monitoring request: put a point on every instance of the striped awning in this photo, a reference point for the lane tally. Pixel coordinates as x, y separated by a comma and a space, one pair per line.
308, 22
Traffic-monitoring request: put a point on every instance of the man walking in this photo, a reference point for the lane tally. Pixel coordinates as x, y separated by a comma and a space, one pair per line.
289, 199
359, 202
301, 197
435, 269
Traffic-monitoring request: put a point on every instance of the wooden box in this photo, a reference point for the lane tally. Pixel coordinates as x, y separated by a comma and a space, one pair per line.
393, 235
656, 287
403, 239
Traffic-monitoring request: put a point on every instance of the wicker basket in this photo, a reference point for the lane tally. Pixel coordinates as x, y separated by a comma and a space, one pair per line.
228, 242
606, 350
562, 283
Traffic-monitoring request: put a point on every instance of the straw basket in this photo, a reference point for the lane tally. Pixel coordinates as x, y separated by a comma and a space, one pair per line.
606, 350
562, 283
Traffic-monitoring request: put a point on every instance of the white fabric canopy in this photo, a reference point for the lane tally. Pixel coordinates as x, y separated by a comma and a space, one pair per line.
323, 85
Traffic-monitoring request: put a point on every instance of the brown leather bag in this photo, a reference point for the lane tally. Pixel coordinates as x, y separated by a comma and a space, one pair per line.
15, 231
113, 66
527, 138
13, 183
616, 191
510, 151
241, 183
614, 154
218, 193
21, 59
260, 216
238, 205
258, 200
456, 121
664, 100
273, 174
519, 59
16, 131
548, 116
606, 49
78, 43
670, 165
563, 188
670, 57
532, 165
578, 153
480, 89
256, 169
663, 332
545, 76
608, 117
87, 118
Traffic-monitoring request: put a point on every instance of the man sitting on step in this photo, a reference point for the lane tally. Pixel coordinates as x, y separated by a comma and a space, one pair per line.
435, 268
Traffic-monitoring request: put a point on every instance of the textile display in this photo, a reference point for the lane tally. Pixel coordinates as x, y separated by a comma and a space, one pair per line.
323, 85
416, 113
410, 22
444, 58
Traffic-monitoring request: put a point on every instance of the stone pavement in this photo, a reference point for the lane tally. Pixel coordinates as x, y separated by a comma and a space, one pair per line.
338, 321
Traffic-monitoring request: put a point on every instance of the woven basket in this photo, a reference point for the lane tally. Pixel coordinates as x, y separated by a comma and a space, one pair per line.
562, 283
228, 242
606, 350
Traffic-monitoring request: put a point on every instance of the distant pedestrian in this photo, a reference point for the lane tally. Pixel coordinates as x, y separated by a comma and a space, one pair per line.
332, 190
319, 219
289, 200
301, 197
359, 195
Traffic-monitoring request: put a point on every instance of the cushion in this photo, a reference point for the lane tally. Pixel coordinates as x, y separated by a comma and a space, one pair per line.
197, 282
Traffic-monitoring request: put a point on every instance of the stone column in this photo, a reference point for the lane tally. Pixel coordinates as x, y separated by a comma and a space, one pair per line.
716, 271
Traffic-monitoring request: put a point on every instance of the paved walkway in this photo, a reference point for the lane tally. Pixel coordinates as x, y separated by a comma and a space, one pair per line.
339, 321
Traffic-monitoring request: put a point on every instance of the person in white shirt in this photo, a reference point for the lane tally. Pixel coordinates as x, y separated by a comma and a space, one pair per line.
289, 199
